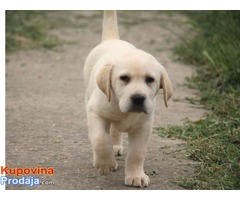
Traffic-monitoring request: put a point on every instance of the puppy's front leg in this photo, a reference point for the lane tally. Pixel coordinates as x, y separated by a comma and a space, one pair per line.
134, 172
103, 155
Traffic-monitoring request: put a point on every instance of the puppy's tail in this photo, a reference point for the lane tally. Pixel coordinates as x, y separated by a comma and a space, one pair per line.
110, 26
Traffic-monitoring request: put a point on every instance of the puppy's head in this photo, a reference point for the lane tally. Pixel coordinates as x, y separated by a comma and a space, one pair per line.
134, 80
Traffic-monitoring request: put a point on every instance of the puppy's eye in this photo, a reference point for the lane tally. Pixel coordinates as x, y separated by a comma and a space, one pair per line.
125, 78
149, 79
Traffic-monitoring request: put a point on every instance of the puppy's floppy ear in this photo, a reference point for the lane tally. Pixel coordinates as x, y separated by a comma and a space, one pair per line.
104, 80
166, 85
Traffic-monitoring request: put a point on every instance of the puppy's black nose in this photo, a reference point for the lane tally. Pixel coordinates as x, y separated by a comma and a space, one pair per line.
138, 99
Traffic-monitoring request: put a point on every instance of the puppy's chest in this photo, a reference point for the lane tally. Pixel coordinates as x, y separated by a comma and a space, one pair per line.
131, 121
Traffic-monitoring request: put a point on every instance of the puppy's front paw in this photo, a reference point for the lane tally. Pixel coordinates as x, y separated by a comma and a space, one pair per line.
105, 167
118, 150
137, 180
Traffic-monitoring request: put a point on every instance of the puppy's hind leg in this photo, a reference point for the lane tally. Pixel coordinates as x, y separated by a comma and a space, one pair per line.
116, 141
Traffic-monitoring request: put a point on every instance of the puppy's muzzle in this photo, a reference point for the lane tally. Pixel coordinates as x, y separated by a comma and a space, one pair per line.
137, 103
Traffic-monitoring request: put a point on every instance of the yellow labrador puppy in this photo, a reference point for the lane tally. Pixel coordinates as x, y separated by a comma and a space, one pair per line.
121, 87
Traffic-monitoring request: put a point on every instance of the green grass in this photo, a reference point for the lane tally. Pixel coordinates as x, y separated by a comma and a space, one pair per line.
28, 29
213, 142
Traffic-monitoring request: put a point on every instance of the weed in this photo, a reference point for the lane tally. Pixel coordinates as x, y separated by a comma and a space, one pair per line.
213, 142
27, 29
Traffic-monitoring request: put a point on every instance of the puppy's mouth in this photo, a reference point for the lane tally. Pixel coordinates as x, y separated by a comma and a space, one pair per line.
137, 109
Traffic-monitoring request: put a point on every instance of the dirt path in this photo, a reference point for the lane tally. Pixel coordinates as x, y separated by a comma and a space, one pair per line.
45, 116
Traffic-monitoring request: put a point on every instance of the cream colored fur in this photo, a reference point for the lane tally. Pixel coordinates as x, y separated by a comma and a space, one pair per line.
121, 86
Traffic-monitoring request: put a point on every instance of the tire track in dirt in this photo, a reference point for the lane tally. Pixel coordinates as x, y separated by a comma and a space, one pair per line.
45, 114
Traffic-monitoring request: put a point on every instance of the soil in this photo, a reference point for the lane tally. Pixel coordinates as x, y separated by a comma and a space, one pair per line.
45, 113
